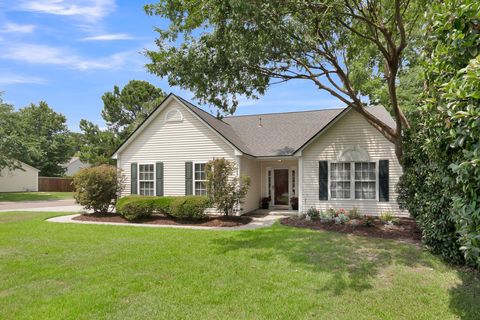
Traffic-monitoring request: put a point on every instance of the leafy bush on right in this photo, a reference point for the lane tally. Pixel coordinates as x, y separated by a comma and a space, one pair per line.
440, 185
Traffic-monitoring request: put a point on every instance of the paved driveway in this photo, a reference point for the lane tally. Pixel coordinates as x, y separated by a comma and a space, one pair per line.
64, 205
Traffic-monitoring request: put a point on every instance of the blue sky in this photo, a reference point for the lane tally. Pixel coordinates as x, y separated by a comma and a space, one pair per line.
68, 53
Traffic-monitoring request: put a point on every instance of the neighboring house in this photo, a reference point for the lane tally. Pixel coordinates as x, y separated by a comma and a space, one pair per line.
330, 158
74, 165
19, 180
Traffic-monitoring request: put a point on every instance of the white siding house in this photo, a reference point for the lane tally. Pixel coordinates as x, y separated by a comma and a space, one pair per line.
330, 158
176, 137
74, 165
19, 180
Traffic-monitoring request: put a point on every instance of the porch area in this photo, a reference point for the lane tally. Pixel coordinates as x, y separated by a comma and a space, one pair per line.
276, 179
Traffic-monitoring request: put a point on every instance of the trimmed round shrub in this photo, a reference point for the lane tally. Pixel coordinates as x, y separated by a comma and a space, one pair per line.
135, 207
97, 188
189, 207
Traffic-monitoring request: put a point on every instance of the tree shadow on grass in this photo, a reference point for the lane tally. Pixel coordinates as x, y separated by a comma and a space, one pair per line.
353, 262
465, 296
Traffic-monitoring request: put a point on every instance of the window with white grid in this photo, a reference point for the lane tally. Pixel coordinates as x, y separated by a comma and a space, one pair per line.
340, 180
365, 180
146, 179
200, 179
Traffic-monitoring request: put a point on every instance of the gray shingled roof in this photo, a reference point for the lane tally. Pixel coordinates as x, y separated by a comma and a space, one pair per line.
281, 134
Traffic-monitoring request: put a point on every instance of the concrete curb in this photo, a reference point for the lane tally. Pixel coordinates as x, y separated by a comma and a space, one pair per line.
256, 223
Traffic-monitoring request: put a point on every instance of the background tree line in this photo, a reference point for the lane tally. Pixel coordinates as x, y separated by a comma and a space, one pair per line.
38, 136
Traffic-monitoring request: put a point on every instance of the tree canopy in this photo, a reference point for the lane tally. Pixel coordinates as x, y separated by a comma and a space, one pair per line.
44, 139
35, 135
9, 144
123, 110
352, 49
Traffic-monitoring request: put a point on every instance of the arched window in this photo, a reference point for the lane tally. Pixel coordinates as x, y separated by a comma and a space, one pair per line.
173, 115
353, 175
353, 154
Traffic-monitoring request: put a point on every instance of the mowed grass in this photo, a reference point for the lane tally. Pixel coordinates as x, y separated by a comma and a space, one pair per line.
71, 271
34, 196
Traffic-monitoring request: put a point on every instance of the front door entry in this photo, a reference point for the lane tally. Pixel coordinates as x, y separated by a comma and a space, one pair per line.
280, 177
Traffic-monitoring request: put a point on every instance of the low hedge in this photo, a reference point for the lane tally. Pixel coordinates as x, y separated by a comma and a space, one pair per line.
134, 207
188, 207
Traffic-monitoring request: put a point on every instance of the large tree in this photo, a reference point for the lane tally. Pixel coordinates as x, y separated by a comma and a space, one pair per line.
123, 110
98, 145
43, 138
9, 144
353, 49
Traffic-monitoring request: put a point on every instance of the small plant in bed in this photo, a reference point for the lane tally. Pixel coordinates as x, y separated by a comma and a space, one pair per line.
341, 218
388, 219
368, 221
313, 214
354, 214
327, 216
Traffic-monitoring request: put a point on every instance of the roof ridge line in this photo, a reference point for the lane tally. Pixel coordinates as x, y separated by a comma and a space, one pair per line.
287, 112
256, 114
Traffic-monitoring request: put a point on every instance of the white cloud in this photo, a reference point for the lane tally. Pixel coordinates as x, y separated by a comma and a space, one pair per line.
9, 78
91, 10
42, 54
12, 27
109, 37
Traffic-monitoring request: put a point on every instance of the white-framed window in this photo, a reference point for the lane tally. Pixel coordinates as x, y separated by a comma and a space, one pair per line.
353, 180
146, 179
365, 180
200, 179
340, 180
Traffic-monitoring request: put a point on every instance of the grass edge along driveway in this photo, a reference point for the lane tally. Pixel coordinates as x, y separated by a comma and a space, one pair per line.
33, 196
70, 271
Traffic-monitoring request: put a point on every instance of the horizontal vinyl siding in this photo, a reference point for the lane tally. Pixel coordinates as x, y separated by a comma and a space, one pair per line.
251, 168
351, 130
18, 180
173, 143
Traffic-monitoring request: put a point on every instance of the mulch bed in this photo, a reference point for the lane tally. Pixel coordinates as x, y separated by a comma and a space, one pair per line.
220, 221
405, 230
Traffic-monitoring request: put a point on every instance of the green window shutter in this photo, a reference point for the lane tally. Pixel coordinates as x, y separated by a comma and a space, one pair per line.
323, 180
133, 178
188, 178
159, 178
383, 178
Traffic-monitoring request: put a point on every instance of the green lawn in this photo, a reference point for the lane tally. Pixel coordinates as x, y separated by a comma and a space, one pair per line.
34, 196
71, 271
